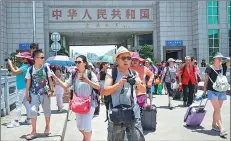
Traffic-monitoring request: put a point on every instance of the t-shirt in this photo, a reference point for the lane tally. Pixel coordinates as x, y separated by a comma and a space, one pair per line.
20, 78
170, 74
39, 82
123, 94
213, 75
83, 89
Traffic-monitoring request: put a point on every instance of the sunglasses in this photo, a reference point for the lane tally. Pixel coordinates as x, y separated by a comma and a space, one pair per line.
126, 58
40, 57
78, 62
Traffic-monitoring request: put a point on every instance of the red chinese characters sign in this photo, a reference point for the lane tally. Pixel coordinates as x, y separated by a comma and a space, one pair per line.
100, 14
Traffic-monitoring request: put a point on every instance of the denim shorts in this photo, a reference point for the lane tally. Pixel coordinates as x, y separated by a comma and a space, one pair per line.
212, 95
148, 90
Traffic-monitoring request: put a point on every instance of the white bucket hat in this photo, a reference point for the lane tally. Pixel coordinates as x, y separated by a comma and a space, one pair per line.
171, 60
219, 55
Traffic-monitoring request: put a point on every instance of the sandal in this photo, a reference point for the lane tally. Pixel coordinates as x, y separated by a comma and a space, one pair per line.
46, 134
31, 137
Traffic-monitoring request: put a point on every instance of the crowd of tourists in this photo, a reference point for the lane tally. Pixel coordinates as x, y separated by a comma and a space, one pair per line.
126, 88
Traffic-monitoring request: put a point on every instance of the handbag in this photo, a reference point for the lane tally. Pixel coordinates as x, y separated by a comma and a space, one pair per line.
80, 105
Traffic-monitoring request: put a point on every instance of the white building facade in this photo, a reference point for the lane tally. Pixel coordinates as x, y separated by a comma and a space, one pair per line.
175, 28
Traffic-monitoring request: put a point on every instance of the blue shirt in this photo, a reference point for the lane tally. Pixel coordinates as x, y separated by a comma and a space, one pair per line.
20, 78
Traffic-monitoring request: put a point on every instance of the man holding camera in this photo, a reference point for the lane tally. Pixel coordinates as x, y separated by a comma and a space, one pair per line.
124, 113
21, 87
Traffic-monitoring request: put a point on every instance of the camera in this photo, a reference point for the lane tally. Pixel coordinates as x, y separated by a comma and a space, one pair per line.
6, 59
131, 80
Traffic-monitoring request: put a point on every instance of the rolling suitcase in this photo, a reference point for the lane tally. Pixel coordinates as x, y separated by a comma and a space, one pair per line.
148, 118
195, 114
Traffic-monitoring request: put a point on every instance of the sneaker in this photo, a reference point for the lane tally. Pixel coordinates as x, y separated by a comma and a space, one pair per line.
27, 122
61, 110
13, 124
215, 128
223, 133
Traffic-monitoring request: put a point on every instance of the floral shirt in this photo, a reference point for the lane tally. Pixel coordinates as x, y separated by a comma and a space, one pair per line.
39, 81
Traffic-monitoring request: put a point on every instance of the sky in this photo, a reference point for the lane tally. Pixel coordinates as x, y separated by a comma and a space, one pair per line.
99, 50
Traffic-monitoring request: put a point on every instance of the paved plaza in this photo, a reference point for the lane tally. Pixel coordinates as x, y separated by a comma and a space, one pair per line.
170, 125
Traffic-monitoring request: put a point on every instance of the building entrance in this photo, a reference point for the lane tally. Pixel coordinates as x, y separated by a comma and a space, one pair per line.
174, 52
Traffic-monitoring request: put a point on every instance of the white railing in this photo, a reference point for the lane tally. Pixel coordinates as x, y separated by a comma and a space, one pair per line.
8, 92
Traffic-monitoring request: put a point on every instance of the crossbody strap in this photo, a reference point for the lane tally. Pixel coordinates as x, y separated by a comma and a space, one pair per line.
211, 66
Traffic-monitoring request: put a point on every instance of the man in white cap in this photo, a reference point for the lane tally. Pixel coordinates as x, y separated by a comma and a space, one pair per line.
123, 92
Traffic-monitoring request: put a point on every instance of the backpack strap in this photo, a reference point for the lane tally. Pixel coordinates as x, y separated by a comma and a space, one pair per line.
114, 75
89, 75
30, 71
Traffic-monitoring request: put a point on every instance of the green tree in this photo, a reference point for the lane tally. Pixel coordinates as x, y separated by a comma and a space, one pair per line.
146, 51
63, 51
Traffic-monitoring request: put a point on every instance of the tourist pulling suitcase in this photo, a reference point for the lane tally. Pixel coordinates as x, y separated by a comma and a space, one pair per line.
195, 114
148, 118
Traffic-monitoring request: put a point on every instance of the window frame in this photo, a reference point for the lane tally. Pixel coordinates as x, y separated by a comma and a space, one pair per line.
214, 17
213, 38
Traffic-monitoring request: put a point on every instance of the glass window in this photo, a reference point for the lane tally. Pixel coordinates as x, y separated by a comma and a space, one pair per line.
212, 12
229, 12
229, 42
213, 38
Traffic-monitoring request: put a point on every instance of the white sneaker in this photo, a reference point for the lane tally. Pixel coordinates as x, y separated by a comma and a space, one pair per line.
13, 124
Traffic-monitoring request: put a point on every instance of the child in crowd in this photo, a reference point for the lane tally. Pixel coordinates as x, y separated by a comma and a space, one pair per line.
59, 91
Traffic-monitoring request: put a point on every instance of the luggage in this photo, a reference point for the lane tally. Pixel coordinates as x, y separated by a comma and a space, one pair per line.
195, 114
178, 95
148, 118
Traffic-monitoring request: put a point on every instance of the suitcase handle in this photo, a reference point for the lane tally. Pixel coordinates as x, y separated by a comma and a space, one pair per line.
201, 103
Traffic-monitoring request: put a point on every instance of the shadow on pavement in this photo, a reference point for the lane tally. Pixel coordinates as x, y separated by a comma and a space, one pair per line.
200, 129
163, 107
40, 135
56, 112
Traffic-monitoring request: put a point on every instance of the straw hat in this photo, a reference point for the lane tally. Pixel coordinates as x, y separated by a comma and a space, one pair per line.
121, 50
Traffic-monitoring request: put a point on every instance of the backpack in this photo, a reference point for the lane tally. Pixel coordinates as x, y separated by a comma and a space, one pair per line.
221, 84
45, 69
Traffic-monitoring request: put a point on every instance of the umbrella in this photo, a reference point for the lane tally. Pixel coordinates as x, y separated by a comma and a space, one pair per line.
107, 58
60, 60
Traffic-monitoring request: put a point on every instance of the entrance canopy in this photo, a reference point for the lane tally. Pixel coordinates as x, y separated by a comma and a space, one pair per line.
99, 38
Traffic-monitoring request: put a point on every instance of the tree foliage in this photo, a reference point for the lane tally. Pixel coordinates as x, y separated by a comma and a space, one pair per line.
146, 51
63, 51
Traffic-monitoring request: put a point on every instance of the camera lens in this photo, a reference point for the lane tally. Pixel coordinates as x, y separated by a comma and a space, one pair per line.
6, 59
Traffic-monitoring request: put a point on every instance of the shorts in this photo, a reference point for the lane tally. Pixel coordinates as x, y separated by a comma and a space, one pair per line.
83, 121
36, 100
212, 95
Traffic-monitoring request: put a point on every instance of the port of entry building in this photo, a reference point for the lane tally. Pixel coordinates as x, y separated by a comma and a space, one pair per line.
174, 28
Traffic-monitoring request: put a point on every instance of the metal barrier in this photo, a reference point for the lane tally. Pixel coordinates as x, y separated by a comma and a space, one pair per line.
8, 92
